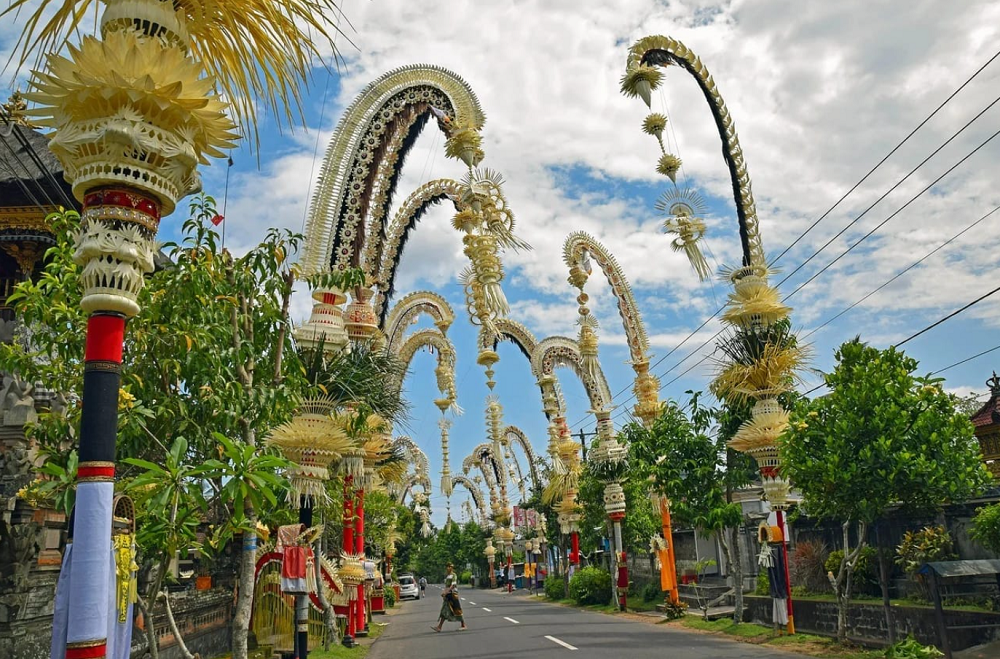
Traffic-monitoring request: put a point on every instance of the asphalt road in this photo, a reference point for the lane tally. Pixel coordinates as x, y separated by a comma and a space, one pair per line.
514, 626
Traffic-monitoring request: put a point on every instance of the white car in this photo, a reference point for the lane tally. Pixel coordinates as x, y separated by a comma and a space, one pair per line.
408, 587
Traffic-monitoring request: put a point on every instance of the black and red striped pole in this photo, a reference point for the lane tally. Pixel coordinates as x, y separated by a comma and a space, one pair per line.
115, 248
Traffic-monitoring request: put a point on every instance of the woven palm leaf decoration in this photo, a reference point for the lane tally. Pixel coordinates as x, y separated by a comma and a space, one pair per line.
258, 52
684, 209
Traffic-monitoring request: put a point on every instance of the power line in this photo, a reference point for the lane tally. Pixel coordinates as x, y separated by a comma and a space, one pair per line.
932, 326
887, 156
903, 272
949, 316
894, 214
967, 359
894, 187
898, 183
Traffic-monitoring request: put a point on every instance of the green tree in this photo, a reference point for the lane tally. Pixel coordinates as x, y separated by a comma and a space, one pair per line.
209, 354
682, 462
882, 437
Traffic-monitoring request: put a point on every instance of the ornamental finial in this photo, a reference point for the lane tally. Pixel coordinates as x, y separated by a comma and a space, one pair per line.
994, 384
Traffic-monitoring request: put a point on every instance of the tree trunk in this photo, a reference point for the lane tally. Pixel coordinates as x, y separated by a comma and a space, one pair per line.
883, 578
174, 630
248, 564
328, 618
147, 611
845, 575
244, 591
737, 567
151, 641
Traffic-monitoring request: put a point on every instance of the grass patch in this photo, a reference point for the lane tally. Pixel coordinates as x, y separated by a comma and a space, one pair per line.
807, 644
360, 652
637, 604
800, 639
727, 626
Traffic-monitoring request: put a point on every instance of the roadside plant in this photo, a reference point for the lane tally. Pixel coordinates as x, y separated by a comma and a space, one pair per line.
986, 527
931, 543
883, 437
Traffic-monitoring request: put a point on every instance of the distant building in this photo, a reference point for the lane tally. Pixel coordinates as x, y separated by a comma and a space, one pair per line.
987, 423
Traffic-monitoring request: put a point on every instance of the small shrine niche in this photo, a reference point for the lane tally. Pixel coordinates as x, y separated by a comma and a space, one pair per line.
987, 426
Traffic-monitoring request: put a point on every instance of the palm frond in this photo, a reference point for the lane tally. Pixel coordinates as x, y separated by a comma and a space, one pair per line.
258, 51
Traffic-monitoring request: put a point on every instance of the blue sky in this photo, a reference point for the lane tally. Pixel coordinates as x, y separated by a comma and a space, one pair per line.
820, 92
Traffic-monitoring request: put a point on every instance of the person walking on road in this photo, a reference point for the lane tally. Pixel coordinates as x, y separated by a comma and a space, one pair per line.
451, 607
423, 587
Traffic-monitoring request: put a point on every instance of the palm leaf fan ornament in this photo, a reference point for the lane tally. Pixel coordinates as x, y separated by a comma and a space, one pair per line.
258, 52
683, 209
311, 440
640, 82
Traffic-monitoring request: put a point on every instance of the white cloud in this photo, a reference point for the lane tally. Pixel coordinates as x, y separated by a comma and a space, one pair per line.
819, 92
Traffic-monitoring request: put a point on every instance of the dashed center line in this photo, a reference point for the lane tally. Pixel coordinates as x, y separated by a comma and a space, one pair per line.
487, 610
562, 643
511, 620
472, 603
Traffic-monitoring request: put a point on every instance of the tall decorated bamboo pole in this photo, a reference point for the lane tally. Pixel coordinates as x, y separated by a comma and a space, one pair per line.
133, 114
491, 552
760, 353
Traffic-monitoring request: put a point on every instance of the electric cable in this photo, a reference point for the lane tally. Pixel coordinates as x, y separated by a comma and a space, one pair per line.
887, 156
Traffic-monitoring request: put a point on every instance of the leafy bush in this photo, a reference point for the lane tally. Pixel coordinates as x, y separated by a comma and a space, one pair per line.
673, 611
931, 543
986, 528
651, 591
807, 567
763, 584
555, 587
865, 578
912, 649
591, 585
465, 577
390, 597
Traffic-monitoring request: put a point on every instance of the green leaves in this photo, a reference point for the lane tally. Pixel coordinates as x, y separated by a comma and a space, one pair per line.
882, 437
681, 461
986, 527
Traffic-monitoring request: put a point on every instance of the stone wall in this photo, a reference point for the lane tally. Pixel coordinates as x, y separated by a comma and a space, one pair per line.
203, 619
866, 622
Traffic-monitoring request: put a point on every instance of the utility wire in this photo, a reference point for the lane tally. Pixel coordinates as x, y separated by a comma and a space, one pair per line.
893, 188
932, 326
887, 156
903, 272
894, 214
949, 316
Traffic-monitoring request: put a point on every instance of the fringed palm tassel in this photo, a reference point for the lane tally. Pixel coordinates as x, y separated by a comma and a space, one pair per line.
640, 82
653, 124
753, 303
689, 232
588, 346
668, 165
464, 143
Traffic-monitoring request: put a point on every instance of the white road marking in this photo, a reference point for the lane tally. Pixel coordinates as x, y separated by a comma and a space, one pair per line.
487, 610
562, 643
511, 620
472, 603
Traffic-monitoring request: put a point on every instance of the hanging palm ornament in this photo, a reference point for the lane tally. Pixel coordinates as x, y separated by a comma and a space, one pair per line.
311, 440
684, 209
132, 114
487, 222
446, 483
